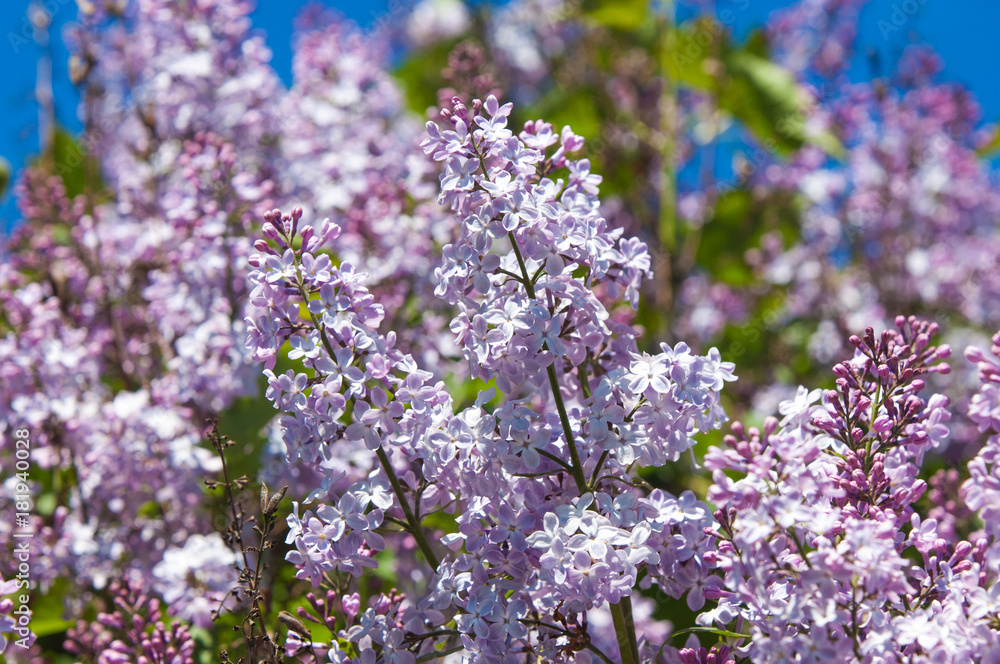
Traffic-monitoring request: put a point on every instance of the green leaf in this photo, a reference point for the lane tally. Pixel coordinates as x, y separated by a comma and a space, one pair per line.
770, 102
4, 175
77, 168
46, 504
204, 645
244, 422
47, 610
689, 50
711, 630
763, 95
618, 14
992, 147
386, 569
420, 75
575, 107
756, 43
725, 239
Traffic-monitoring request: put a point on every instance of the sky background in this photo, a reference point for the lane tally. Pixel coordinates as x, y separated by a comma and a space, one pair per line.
961, 31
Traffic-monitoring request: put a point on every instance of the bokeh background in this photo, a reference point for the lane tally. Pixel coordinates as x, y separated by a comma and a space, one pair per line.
963, 34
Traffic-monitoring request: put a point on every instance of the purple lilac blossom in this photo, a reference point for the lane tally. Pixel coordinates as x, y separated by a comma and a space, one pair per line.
535, 537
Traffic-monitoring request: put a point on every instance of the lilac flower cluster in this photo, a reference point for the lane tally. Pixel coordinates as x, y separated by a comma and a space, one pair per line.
125, 297
336, 336
336, 539
946, 259
195, 578
981, 492
819, 537
381, 625
125, 302
133, 630
549, 522
349, 152
816, 36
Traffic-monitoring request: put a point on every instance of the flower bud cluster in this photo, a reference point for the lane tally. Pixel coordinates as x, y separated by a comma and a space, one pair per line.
134, 631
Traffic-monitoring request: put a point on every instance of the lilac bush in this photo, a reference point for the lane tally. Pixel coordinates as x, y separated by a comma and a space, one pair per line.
470, 351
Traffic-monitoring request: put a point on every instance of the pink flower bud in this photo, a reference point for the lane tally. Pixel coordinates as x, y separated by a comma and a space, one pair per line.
352, 605
882, 424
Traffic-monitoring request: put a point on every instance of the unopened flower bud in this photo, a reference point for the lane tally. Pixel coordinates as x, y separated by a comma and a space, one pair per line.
973, 354
352, 605
963, 566
962, 549
882, 424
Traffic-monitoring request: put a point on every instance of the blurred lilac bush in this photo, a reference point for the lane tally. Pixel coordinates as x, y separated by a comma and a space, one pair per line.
490, 356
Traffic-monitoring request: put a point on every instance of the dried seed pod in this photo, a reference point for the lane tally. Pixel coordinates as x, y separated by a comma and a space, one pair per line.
292, 623
275, 499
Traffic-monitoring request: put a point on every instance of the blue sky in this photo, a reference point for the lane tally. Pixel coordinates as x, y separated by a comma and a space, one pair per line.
963, 33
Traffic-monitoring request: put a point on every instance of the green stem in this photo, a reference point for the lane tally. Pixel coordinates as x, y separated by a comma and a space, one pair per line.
415, 528
597, 469
436, 654
621, 614
576, 467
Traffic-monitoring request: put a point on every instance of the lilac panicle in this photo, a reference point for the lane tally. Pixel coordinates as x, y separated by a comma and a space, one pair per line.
816, 511
548, 520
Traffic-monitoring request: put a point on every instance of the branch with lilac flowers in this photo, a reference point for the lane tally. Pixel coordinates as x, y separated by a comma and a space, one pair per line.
579, 400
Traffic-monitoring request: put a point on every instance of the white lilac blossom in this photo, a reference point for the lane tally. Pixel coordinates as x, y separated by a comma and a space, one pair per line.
195, 578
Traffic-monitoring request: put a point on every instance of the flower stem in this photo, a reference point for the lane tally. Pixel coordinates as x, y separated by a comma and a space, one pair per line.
574, 456
621, 614
415, 528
